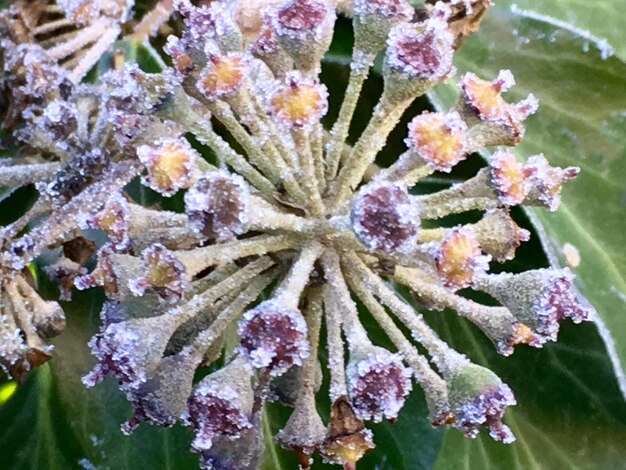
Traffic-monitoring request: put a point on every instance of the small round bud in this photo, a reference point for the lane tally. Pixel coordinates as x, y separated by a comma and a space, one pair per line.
298, 102
113, 219
162, 273
273, 336
223, 76
378, 384
384, 217
546, 181
218, 206
484, 99
438, 139
304, 28
479, 398
459, 257
220, 405
182, 62
171, 165
499, 235
508, 177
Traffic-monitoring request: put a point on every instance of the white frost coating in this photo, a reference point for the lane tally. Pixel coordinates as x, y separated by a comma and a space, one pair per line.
609, 342
602, 44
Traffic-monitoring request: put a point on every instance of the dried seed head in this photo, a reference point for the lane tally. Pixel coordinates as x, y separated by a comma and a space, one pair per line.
218, 206
304, 28
12, 345
485, 101
509, 178
223, 76
546, 181
113, 219
162, 272
459, 257
384, 217
378, 384
59, 121
347, 440
479, 398
438, 139
499, 235
298, 101
130, 350
171, 165
539, 299
161, 399
273, 336
220, 405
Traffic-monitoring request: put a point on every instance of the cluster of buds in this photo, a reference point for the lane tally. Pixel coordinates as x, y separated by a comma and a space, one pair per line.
285, 211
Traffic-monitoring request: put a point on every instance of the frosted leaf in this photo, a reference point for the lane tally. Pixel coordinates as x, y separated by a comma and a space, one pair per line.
385, 218
378, 385
218, 206
273, 336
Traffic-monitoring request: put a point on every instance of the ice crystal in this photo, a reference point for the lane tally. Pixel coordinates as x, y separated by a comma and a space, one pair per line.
285, 224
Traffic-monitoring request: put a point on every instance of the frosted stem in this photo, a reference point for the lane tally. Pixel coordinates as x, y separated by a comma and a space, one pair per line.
19, 175
336, 360
308, 179
289, 291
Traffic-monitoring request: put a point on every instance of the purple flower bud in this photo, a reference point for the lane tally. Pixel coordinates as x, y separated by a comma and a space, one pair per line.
374, 18
540, 299
378, 384
273, 336
130, 350
218, 206
221, 404
164, 274
384, 217
479, 398
546, 181
161, 399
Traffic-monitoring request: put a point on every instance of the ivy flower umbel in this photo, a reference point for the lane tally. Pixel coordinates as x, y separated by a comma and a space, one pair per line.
284, 231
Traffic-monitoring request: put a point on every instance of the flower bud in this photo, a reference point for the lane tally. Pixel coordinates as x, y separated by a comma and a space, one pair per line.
374, 18
161, 399
223, 76
347, 439
539, 299
273, 336
103, 274
483, 102
384, 218
508, 177
459, 257
171, 165
499, 235
304, 28
267, 48
182, 62
418, 56
244, 453
378, 383
64, 273
298, 101
162, 273
438, 139
221, 404
113, 219
218, 206
478, 398
546, 181
130, 350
